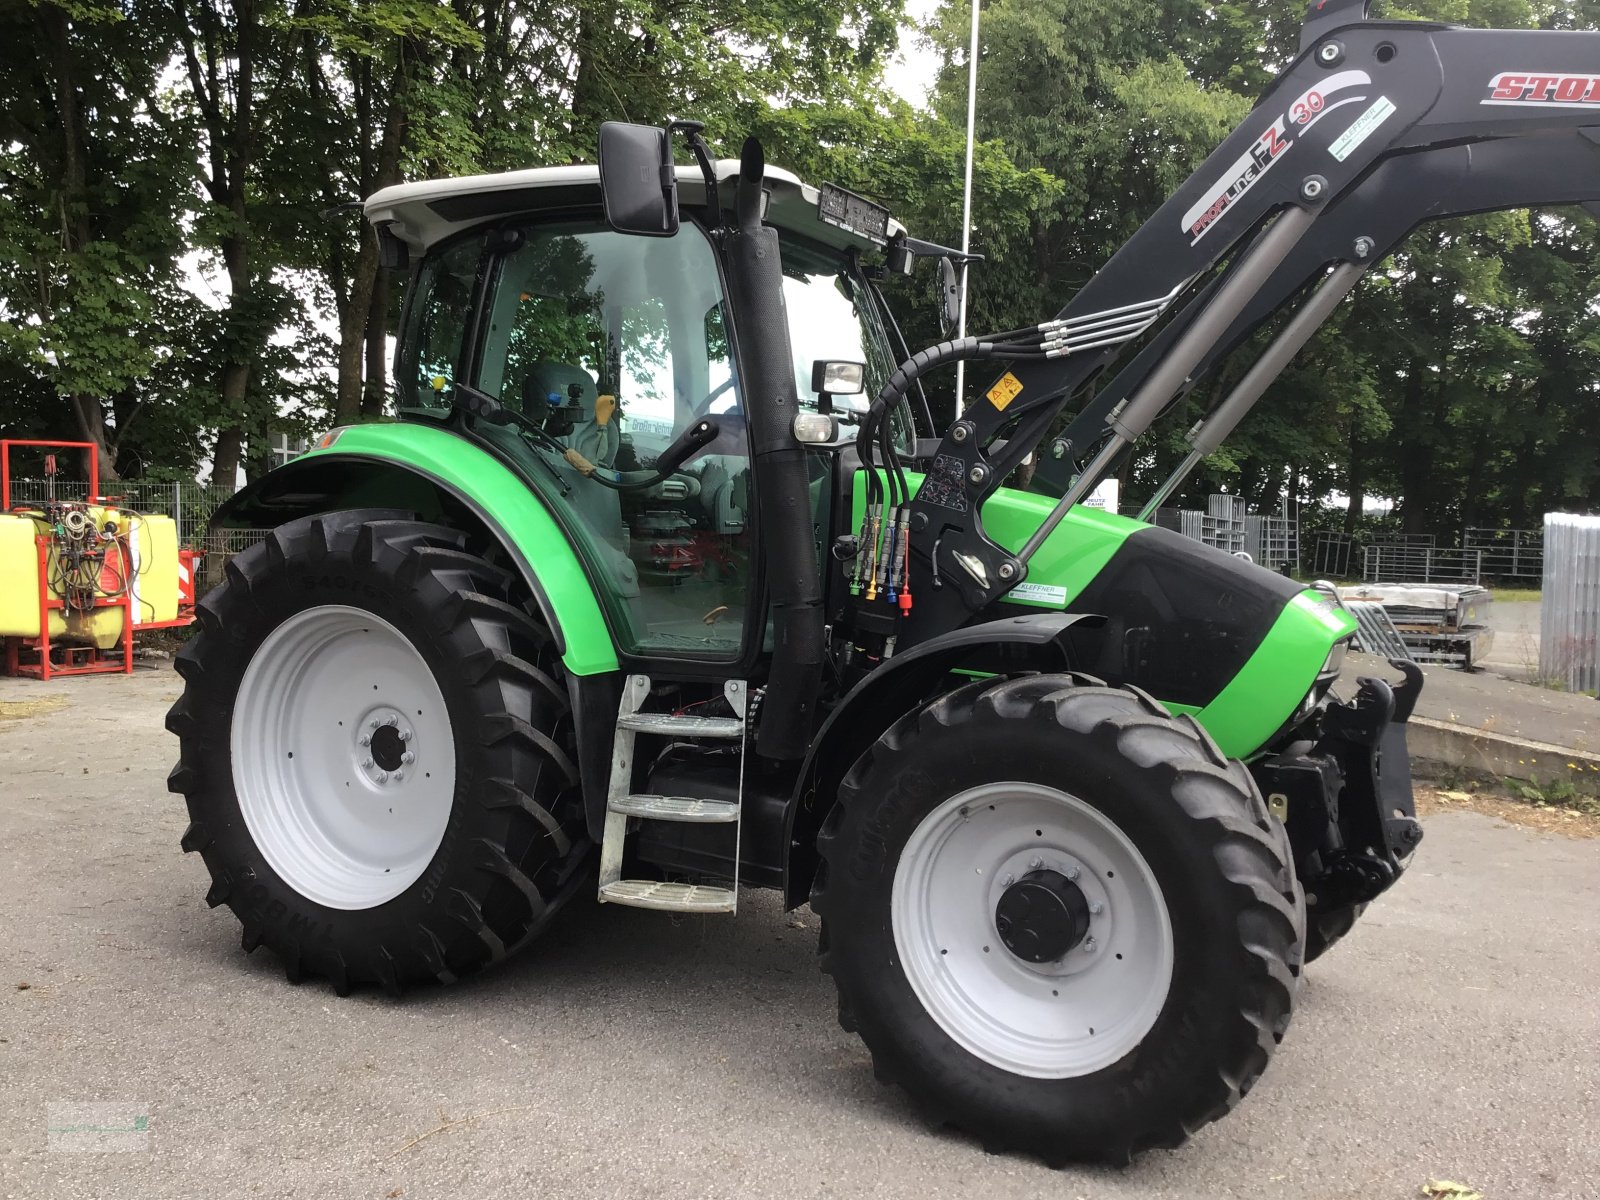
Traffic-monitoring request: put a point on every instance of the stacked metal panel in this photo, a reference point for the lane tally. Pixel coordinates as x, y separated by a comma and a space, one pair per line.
1272, 542
1569, 623
1222, 525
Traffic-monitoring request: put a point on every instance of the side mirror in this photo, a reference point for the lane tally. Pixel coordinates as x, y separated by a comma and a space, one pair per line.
638, 184
949, 296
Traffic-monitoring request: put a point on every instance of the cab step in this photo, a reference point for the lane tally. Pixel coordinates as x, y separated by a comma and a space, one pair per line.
674, 725
676, 808
624, 805
670, 897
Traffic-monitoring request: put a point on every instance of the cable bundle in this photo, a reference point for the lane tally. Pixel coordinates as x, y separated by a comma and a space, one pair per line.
882, 565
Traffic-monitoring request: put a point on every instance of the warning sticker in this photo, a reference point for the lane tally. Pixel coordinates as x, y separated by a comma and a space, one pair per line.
1361, 128
1039, 593
1006, 389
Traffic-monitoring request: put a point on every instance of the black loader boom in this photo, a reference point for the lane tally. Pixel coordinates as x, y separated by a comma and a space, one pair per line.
1375, 127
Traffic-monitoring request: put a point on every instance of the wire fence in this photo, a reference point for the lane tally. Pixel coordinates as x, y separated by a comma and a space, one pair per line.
1420, 564
218, 549
1508, 554
190, 505
1484, 556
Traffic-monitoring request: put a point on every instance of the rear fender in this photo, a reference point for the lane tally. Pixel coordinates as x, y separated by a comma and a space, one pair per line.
443, 477
1031, 643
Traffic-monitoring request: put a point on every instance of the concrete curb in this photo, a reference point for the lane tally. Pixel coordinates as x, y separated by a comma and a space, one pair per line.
1502, 755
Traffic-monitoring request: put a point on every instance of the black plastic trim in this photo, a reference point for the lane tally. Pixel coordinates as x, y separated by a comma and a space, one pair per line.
1036, 642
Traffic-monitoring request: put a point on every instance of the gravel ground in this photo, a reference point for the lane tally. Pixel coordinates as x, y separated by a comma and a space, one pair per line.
1453, 1036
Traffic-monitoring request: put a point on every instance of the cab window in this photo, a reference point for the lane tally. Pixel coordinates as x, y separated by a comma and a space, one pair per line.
605, 342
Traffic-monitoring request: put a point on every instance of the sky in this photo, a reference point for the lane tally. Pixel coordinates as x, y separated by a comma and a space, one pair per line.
910, 73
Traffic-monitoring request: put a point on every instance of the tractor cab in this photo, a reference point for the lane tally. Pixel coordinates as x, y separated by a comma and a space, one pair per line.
600, 350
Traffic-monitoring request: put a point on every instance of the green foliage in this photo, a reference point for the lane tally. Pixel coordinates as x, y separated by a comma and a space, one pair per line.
1459, 379
143, 141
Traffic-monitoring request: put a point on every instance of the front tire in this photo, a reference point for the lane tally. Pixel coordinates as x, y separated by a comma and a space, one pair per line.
1148, 994
376, 753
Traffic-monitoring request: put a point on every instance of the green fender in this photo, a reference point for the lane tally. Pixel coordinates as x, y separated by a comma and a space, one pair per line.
510, 510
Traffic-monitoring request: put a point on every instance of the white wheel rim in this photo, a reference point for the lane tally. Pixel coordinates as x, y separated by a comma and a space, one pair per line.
343, 759
1046, 1020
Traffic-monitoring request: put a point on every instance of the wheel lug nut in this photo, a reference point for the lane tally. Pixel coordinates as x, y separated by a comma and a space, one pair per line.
405, 735
372, 724
1035, 863
1096, 908
1008, 881
365, 740
383, 777
391, 720
399, 775
408, 758
1089, 945
366, 762
1072, 874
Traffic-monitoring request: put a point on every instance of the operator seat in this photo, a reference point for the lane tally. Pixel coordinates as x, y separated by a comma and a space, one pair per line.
562, 386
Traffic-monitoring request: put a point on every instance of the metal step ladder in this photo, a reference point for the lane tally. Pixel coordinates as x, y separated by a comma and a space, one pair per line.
624, 805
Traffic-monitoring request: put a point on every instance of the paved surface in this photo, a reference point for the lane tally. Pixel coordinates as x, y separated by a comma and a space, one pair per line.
1516, 638
1453, 1035
1484, 700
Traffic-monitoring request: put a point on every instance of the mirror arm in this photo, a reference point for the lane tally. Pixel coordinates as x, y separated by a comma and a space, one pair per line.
702, 156
918, 248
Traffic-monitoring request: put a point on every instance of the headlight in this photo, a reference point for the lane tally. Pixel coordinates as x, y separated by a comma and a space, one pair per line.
1334, 663
1331, 666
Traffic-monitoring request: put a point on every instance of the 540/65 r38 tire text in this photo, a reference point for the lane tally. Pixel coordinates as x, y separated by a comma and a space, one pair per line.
376, 753
1059, 917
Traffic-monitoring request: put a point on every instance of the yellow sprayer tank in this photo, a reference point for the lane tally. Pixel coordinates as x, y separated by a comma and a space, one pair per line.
151, 547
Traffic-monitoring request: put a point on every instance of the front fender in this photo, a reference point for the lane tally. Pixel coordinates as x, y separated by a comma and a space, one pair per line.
413, 466
1033, 643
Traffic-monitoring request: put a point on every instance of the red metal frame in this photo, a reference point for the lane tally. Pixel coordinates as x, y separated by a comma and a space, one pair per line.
44, 668
5, 465
82, 660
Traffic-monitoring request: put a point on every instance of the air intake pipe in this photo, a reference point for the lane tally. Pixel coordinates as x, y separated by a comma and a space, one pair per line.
783, 494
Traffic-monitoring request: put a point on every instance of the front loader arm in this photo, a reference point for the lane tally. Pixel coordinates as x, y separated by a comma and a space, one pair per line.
1360, 229
1361, 94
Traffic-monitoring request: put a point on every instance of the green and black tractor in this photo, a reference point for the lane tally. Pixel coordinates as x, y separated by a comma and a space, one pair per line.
664, 582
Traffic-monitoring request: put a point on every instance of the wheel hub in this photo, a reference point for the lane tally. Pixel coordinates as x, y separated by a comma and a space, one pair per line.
1042, 916
385, 745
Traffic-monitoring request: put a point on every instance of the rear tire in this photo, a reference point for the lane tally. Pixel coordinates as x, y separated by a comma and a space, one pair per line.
432, 823
1194, 975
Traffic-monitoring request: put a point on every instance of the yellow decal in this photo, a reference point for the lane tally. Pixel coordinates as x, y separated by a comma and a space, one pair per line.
1005, 390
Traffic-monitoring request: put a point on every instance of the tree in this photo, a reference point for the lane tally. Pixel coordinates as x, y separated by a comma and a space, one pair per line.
92, 165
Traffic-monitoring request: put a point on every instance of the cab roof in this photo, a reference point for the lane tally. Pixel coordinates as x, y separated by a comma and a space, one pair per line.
430, 210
